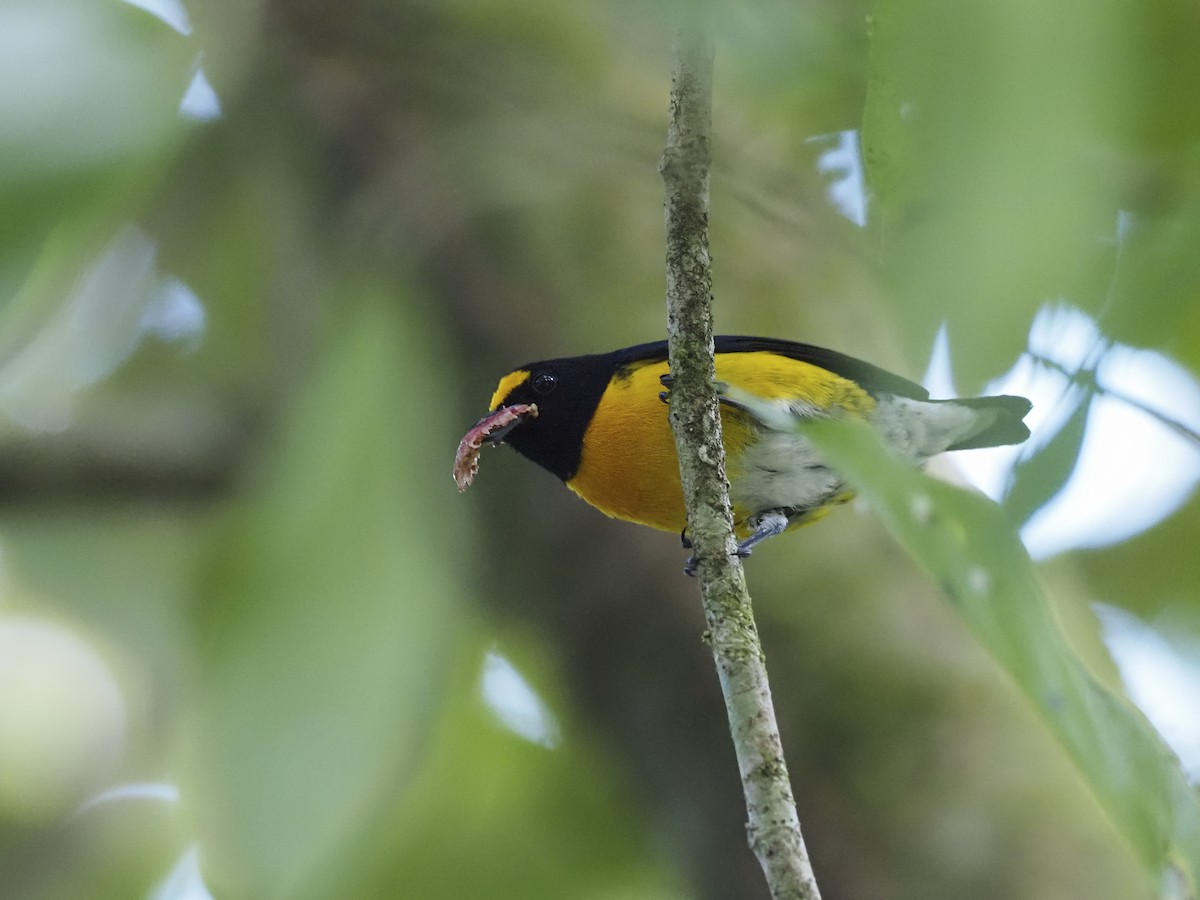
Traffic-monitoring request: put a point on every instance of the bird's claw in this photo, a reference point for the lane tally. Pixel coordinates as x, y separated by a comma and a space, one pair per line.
666, 381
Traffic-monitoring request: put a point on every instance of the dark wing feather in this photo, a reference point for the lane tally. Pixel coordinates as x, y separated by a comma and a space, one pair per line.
873, 379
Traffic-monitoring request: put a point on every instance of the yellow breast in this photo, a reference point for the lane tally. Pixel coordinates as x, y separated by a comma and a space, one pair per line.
628, 468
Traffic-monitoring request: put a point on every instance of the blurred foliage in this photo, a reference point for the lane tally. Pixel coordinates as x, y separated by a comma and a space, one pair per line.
967, 545
244, 522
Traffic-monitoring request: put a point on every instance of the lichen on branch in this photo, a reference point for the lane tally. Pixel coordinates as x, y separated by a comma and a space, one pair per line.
773, 827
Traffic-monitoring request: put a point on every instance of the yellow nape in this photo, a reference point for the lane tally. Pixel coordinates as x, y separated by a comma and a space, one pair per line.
505, 387
629, 469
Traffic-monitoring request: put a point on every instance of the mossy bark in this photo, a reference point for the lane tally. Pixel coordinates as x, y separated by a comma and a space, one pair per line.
773, 826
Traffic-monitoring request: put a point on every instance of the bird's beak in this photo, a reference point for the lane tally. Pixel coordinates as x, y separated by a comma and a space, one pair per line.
493, 428
494, 432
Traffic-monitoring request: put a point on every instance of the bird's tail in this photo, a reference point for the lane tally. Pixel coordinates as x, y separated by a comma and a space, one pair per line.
999, 421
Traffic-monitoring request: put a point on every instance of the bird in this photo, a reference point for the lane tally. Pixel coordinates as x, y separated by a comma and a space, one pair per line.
599, 423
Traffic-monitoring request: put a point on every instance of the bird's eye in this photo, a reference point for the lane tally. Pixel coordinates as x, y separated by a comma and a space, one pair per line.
544, 382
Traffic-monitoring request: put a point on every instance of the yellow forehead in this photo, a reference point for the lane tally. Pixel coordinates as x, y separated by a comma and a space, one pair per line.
506, 386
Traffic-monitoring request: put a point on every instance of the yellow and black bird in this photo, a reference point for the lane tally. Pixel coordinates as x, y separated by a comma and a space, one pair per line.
598, 422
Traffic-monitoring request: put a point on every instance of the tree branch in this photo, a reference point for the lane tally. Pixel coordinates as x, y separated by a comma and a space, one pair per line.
773, 827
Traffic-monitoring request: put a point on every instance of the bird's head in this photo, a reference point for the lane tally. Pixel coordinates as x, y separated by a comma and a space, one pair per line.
542, 411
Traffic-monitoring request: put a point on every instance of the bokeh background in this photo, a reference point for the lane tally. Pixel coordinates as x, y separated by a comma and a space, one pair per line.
261, 265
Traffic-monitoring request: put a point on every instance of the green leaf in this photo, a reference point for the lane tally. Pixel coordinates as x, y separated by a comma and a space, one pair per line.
966, 544
978, 215
1041, 476
85, 84
325, 621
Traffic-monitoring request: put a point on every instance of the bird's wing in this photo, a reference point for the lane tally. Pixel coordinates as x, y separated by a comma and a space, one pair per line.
870, 378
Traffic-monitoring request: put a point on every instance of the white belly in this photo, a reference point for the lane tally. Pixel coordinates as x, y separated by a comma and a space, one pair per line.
783, 471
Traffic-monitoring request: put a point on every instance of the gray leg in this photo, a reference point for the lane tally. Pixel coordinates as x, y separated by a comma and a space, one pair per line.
766, 524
